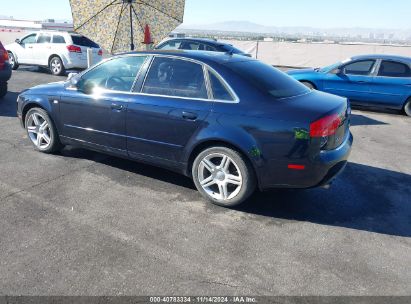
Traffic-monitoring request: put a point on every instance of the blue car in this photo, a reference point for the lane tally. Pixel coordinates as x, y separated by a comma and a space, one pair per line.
369, 80
229, 122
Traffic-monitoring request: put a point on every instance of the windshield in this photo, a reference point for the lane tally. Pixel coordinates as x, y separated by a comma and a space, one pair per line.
268, 79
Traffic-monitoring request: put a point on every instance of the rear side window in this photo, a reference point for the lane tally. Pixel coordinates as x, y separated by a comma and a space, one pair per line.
359, 68
83, 41
220, 91
58, 39
268, 79
175, 77
394, 69
43, 38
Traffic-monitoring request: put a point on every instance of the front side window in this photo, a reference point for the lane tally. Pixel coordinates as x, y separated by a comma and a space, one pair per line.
117, 74
394, 69
29, 39
220, 91
359, 67
175, 77
58, 39
171, 45
43, 38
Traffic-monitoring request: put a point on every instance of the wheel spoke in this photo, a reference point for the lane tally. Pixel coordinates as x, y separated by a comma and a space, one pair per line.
43, 125
208, 182
36, 119
223, 191
46, 138
208, 165
32, 130
39, 138
234, 180
225, 162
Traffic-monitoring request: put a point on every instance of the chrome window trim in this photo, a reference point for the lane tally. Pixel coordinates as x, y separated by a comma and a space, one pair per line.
151, 57
206, 78
229, 89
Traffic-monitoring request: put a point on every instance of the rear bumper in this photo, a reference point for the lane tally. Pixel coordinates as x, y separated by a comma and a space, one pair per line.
319, 171
5, 73
73, 62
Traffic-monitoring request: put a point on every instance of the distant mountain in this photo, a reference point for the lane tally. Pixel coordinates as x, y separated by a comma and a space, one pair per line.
250, 27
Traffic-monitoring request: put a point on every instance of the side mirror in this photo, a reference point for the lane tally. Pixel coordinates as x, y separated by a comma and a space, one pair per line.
18, 41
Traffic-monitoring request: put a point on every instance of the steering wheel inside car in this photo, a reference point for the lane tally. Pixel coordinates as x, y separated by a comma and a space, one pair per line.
116, 83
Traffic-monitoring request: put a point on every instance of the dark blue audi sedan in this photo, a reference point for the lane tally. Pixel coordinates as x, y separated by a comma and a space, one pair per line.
230, 122
369, 80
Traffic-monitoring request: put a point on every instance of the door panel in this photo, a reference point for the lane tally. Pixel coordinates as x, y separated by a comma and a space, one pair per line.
98, 120
24, 50
392, 85
161, 127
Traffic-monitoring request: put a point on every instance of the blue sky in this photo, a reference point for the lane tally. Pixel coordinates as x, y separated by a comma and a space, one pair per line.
315, 13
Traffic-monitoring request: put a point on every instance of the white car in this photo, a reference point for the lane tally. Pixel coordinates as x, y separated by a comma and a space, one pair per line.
58, 51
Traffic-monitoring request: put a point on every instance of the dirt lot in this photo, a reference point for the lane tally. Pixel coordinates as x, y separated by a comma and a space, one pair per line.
83, 223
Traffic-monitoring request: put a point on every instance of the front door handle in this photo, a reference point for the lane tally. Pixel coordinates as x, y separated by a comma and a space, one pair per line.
189, 115
117, 107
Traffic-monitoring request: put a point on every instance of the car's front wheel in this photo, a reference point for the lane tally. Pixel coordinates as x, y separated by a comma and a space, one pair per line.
223, 176
56, 66
407, 107
41, 131
13, 62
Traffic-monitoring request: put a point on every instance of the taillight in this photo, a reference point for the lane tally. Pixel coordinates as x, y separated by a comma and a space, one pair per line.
325, 126
100, 52
74, 49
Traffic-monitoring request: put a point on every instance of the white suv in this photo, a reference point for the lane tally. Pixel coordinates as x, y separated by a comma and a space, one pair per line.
56, 50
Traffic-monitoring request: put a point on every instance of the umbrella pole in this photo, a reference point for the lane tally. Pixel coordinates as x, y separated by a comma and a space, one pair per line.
131, 28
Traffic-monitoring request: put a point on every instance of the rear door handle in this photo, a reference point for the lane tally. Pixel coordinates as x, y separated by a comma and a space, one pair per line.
189, 115
361, 81
117, 107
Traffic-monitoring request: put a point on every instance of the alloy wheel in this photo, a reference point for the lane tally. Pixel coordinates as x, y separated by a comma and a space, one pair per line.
220, 177
39, 131
56, 66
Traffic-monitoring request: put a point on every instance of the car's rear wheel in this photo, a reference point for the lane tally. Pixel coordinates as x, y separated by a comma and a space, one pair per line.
308, 85
407, 107
3, 89
13, 62
223, 176
56, 66
41, 131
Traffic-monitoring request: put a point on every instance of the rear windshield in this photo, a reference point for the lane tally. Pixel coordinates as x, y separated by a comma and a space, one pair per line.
230, 48
268, 79
83, 41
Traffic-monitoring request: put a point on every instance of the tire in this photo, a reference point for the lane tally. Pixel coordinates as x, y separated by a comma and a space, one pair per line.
3, 89
407, 107
308, 85
56, 66
13, 61
38, 122
228, 186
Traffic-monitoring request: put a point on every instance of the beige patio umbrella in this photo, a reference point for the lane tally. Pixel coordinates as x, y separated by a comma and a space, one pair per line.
119, 25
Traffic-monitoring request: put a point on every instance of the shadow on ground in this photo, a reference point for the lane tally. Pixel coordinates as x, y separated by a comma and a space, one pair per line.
361, 120
8, 105
363, 197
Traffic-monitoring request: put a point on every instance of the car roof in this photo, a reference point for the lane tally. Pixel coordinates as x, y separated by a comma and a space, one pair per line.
382, 56
203, 56
196, 39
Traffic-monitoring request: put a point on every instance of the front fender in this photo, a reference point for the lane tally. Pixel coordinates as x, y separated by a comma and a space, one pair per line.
48, 103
